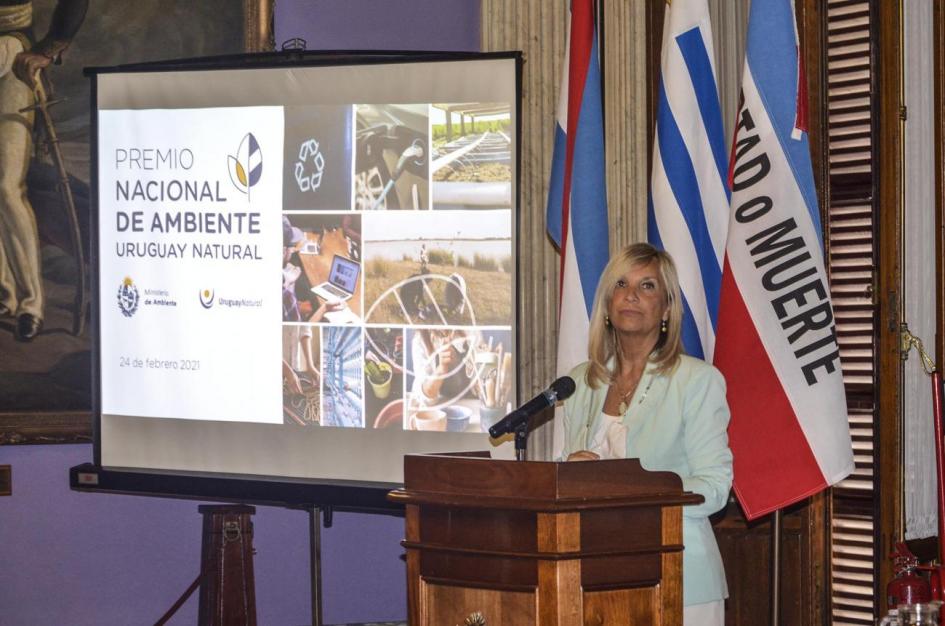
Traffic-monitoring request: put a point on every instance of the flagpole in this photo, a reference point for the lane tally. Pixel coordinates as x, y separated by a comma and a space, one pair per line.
775, 567
601, 57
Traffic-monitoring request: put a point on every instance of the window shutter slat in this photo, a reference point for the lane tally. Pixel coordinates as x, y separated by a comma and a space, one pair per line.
849, 221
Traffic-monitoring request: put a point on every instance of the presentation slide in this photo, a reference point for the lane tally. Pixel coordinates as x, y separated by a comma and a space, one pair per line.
188, 297
305, 272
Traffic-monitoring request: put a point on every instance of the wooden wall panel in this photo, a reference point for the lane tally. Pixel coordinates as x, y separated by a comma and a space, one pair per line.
889, 487
746, 552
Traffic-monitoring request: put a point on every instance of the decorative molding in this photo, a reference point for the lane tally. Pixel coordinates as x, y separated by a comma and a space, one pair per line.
816, 573
729, 34
888, 147
258, 31
625, 120
539, 29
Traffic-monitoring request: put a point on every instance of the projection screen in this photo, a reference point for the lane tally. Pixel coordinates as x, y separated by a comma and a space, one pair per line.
305, 270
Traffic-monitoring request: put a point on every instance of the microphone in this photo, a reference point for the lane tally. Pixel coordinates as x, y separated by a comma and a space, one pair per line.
561, 389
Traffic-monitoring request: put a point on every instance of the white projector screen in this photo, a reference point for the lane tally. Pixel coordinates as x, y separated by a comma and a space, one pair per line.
305, 271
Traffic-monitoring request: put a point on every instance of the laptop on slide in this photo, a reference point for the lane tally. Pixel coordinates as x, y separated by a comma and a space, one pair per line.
342, 279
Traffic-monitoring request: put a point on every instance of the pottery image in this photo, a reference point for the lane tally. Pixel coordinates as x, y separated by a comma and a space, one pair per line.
391, 416
488, 416
428, 419
457, 418
379, 376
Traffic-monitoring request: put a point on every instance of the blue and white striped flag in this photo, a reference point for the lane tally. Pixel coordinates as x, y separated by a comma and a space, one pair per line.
688, 209
577, 196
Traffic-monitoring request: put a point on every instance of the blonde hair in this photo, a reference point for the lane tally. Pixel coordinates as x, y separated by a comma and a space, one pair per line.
602, 340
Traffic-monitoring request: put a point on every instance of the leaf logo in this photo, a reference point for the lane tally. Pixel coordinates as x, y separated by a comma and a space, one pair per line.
246, 167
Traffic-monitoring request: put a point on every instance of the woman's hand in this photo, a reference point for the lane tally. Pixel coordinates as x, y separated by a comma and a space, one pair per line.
291, 379
326, 307
583, 455
446, 358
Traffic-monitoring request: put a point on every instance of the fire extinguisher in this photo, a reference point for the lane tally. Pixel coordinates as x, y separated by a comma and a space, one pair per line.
907, 587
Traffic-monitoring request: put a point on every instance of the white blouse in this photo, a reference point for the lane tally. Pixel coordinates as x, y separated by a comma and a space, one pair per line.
610, 441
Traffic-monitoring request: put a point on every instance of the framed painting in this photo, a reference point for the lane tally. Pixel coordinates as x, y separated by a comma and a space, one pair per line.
45, 335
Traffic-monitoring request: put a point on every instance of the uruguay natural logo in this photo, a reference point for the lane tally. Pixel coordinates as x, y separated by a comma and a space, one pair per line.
246, 167
128, 297
206, 298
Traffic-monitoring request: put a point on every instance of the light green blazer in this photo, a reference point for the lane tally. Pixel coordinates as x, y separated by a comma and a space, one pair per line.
675, 423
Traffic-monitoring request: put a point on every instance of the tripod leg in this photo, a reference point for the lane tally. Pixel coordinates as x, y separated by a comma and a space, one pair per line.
315, 546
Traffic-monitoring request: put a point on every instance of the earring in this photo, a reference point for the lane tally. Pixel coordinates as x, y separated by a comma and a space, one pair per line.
607, 320
663, 327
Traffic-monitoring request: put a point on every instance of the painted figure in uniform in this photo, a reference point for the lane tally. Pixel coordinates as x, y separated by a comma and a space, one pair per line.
21, 57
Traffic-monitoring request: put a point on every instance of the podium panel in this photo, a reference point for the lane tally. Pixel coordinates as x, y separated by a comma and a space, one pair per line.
627, 606
541, 543
447, 604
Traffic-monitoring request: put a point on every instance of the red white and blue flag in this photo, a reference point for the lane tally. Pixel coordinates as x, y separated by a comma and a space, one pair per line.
577, 196
687, 213
776, 339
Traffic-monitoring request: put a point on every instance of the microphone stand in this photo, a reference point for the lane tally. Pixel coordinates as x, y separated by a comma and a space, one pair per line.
521, 440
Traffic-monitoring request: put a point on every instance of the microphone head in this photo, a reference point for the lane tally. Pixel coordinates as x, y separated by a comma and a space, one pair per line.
563, 388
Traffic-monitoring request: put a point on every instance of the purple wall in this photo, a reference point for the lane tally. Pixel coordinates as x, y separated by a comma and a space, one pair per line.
379, 24
91, 559
71, 558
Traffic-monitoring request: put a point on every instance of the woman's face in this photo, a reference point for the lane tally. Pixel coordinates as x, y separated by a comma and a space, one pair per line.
639, 304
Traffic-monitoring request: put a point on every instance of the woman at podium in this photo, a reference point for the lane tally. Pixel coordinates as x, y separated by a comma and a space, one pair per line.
639, 396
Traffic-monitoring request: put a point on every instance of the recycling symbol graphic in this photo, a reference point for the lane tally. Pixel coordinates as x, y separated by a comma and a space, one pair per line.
310, 166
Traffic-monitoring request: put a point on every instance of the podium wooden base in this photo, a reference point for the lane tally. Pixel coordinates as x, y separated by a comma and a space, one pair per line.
549, 544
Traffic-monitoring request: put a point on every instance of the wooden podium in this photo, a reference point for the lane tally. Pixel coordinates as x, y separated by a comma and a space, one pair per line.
541, 543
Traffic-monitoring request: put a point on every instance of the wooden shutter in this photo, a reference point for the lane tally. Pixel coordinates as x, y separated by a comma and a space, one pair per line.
851, 258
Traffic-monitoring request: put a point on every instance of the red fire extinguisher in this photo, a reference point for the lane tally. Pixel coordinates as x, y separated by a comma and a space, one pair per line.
907, 587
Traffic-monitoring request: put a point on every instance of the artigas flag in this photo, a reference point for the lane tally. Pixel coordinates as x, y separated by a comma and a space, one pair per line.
687, 213
577, 196
776, 342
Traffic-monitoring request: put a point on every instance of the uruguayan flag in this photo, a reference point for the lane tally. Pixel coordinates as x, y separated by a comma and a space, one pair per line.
689, 195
